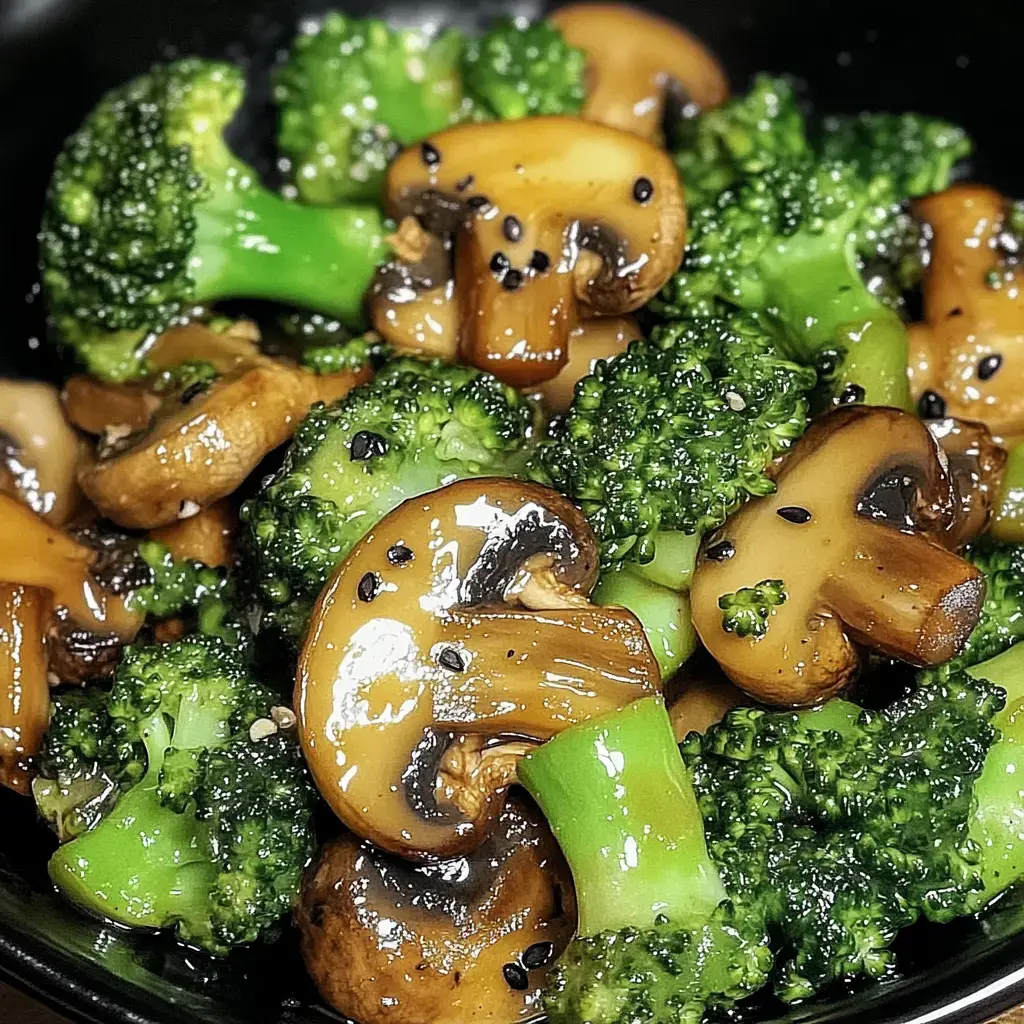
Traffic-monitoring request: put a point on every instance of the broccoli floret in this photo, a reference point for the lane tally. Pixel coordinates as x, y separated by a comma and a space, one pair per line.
212, 839
658, 939
149, 214
352, 355
416, 426
746, 612
520, 68
821, 834
748, 135
352, 92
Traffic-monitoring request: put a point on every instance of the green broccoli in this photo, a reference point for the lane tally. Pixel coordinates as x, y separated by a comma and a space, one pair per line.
351, 355
149, 214
210, 824
415, 427
520, 68
820, 835
746, 612
352, 92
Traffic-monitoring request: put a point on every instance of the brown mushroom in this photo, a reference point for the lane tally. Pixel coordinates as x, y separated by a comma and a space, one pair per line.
455, 634
967, 358
200, 447
24, 690
846, 551
418, 322
976, 465
96, 407
700, 695
634, 60
598, 338
207, 537
554, 219
452, 942
38, 449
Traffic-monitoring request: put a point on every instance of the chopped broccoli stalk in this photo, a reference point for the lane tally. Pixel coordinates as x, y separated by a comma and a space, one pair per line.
747, 611
663, 612
209, 829
674, 435
149, 214
415, 427
352, 92
657, 938
521, 69
1008, 511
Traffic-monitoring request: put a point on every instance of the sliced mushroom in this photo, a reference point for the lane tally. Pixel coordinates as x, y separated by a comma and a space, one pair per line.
452, 942
555, 219
976, 465
24, 690
38, 449
231, 349
699, 696
418, 322
847, 551
206, 537
967, 358
634, 61
202, 446
428, 633
97, 408
598, 338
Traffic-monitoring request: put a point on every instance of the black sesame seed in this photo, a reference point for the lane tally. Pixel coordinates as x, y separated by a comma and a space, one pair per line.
367, 589
193, 391
539, 261
499, 263
721, 551
955, 311
989, 365
399, 554
515, 977
794, 514
643, 189
511, 228
932, 406
477, 202
851, 395
431, 157
365, 445
538, 955
450, 659
463, 183
512, 280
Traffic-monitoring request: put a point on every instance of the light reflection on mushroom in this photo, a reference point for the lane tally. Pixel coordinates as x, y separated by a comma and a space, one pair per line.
860, 563
429, 633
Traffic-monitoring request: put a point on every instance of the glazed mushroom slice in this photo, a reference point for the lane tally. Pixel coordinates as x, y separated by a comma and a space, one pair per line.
554, 219
24, 690
846, 552
207, 537
98, 408
202, 445
976, 466
635, 60
39, 450
422, 322
967, 358
454, 636
452, 942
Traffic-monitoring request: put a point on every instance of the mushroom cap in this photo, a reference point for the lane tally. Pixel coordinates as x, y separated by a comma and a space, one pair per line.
969, 352
96, 407
633, 59
38, 448
556, 218
854, 534
24, 690
197, 452
207, 537
427, 634
419, 323
387, 941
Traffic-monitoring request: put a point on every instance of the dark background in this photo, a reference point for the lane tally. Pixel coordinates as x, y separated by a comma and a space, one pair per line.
57, 57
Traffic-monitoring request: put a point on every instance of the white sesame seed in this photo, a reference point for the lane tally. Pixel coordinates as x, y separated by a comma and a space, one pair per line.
261, 729
283, 717
736, 402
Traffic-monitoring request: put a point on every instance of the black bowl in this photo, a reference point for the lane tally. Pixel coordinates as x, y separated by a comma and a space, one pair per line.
58, 56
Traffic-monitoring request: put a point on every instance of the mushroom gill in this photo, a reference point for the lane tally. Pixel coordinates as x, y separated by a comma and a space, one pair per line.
427, 665
789, 586
554, 219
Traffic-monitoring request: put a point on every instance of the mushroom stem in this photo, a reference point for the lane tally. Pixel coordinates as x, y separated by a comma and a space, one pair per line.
888, 602
24, 690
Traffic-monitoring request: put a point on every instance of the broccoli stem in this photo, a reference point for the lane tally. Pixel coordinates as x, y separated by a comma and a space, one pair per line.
823, 302
664, 613
1008, 518
622, 807
253, 244
675, 554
